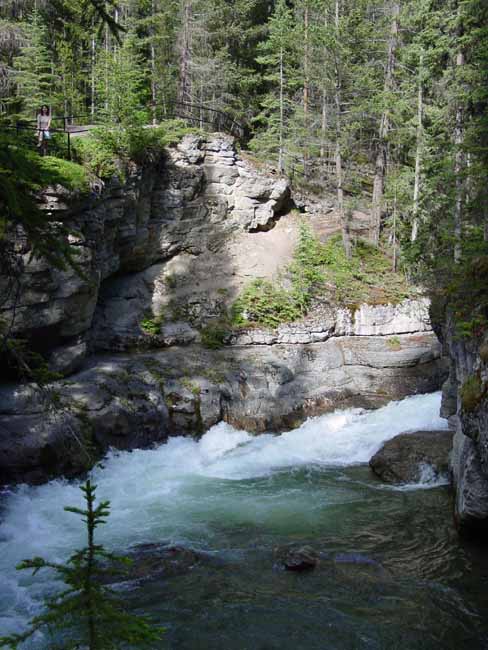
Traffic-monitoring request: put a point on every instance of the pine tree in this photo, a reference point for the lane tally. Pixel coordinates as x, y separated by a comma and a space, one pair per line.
385, 124
276, 56
120, 84
87, 613
33, 74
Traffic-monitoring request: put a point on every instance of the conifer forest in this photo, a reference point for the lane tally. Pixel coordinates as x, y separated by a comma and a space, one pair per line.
243, 324
382, 99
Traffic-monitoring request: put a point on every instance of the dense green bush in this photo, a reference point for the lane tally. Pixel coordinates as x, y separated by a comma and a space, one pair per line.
69, 174
263, 303
23, 173
151, 325
107, 150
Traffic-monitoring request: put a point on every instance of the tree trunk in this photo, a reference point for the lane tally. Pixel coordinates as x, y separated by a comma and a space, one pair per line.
90, 562
92, 80
323, 126
346, 239
381, 153
306, 85
394, 265
107, 50
281, 165
185, 85
153, 66
418, 155
459, 161
458, 172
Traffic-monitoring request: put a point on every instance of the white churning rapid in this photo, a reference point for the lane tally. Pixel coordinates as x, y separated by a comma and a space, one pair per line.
183, 490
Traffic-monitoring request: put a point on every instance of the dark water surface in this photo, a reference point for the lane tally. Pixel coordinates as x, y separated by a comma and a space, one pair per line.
394, 575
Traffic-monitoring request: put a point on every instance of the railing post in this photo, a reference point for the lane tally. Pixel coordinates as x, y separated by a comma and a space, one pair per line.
69, 145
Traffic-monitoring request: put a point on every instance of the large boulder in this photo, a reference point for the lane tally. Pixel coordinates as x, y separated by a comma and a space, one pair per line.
413, 457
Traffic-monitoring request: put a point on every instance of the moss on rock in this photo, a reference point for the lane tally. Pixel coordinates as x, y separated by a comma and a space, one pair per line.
472, 392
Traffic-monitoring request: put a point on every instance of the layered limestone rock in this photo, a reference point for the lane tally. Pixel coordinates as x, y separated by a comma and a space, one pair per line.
163, 258
465, 403
135, 400
186, 207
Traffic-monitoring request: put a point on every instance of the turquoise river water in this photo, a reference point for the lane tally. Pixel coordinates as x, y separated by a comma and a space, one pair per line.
393, 573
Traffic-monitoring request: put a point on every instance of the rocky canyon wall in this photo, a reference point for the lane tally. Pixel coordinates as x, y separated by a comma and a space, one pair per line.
465, 403
163, 257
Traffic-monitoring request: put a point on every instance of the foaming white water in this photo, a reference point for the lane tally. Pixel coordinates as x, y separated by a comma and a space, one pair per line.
428, 479
187, 489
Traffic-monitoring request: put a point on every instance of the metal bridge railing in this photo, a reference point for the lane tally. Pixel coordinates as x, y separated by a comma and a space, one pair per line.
195, 114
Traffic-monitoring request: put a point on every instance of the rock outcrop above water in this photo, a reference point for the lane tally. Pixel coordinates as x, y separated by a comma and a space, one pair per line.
465, 403
163, 257
413, 457
127, 401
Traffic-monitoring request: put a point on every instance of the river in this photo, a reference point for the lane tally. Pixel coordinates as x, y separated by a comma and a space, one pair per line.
393, 573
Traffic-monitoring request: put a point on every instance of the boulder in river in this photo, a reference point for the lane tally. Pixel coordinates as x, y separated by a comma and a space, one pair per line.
297, 558
154, 561
407, 457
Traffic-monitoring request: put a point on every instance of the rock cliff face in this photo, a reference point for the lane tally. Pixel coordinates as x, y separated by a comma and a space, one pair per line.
163, 256
188, 208
465, 403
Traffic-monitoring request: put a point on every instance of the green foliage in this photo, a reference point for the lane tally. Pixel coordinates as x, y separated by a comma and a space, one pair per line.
278, 57
214, 375
472, 392
23, 173
71, 175
321, 272
34, 68
464, 290
87, 613
107, 152
119, 82
191, 386
262, 303
96, 155
366, 277
213, 334
151, 326
25, 363
394, 343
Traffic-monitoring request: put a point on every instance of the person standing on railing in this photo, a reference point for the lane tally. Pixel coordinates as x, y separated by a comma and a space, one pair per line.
43, 126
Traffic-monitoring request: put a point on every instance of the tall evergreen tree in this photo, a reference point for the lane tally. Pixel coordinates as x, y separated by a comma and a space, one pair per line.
33, 68
276, 55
